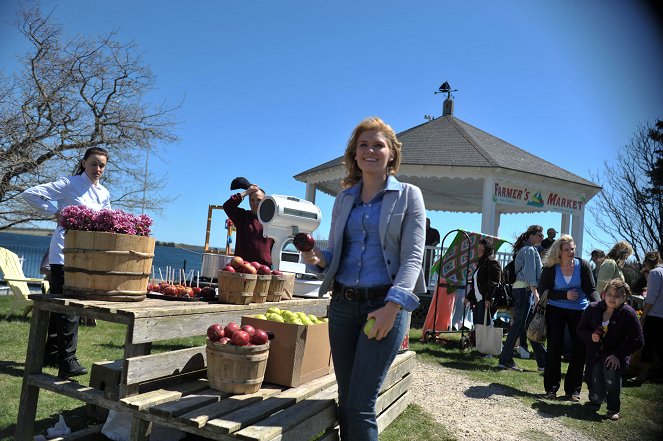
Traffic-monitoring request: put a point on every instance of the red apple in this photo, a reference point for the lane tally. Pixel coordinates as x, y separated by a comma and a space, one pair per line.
303, 242
229, 268
170, 290
276, 273
248, 329
260, 337
196, 291
223, 341
264, 270
230, 329
255, 264
247, 268
240, 338
215, 332
236, 262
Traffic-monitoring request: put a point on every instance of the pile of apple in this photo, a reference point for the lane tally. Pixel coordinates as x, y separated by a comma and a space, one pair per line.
276, 314
168, 289
232, 334
239, 265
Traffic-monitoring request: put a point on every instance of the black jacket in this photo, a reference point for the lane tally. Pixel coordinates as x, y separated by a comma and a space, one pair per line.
490, 275
547, 282
624, 335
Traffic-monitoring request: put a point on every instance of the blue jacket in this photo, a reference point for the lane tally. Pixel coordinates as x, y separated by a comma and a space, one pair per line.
402, 234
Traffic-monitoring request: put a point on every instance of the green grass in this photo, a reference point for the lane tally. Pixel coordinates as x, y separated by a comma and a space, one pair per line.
105, 342
641, 410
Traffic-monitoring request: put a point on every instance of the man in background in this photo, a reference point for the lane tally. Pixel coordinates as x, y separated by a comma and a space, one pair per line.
548, 241
597, 257
251, 245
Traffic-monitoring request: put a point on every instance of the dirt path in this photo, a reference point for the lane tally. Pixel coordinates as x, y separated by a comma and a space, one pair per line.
472, 410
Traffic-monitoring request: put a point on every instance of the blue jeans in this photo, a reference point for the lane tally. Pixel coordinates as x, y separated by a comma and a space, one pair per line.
360, 364
521, 300
605, 384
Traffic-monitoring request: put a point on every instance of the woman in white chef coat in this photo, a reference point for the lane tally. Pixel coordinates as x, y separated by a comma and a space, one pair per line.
83, 188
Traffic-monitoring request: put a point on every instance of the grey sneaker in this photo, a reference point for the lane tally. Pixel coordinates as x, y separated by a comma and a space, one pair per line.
71, 368
612, 416
512, 366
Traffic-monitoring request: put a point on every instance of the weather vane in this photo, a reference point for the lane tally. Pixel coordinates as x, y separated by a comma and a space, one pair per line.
446, 88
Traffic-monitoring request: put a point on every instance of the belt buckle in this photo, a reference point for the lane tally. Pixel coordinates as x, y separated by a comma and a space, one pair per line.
349, 293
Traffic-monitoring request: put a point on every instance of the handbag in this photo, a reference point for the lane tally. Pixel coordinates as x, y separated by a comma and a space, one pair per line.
502, 297
488, 337
536, 331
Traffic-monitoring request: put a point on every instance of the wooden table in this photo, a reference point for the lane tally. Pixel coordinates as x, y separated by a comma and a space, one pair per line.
148, 321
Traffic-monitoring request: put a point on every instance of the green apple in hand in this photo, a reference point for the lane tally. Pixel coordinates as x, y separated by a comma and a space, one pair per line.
369, 326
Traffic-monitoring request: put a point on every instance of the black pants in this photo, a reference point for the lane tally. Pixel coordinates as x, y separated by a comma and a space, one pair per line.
556, 320
653, 331
62, 328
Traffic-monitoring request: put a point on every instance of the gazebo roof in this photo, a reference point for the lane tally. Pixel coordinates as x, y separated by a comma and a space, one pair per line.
449, 159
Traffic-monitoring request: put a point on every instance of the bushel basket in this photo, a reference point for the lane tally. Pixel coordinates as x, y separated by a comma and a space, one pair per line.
236, 288
107, 266
236, 369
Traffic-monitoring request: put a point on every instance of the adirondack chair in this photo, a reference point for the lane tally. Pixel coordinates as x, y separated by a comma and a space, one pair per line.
10, 267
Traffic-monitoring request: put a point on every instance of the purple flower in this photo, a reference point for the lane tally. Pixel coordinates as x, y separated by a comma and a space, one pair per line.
79, 217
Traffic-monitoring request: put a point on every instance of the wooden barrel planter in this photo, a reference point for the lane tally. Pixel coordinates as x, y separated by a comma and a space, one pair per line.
262, 288
107, 266
276, 288
236, 369
236, 288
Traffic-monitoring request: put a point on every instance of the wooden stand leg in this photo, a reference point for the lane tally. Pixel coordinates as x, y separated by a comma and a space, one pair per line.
34, 361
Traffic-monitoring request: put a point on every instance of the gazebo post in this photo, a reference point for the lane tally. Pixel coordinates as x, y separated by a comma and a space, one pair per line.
566, 223
488, 207
577, 229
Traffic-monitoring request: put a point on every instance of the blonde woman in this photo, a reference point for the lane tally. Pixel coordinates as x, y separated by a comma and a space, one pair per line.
373, 267
570, 286
611, 267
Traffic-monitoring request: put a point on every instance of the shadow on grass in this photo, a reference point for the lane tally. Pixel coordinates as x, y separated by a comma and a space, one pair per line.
12, 368
576, 411
19, 318
76, 419
496, 389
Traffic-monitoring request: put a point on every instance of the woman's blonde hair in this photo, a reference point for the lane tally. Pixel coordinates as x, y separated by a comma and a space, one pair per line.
621, 251
619, 286
372, 123
554, 254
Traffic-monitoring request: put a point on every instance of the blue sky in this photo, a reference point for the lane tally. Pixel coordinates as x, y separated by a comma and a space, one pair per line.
273, 88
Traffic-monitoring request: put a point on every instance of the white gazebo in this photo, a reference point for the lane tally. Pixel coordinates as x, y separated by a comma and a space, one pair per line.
461, 168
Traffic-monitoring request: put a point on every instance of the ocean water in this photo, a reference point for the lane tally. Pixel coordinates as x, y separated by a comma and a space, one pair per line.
32, 248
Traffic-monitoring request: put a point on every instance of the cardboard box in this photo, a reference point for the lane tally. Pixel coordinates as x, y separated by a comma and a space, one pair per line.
297, 353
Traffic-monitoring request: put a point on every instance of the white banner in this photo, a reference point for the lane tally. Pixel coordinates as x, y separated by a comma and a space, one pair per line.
507, 193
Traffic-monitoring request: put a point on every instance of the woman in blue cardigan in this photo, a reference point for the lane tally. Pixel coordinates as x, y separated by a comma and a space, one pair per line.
373, 268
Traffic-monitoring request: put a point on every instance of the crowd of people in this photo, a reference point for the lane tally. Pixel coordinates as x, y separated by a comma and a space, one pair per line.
589, 317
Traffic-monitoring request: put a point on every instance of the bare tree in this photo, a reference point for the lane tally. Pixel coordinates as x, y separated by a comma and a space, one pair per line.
630, 207
72, 94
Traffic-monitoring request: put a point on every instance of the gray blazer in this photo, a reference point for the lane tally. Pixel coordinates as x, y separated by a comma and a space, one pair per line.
402, 234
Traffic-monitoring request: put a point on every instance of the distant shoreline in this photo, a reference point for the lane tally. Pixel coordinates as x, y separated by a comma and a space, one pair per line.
48, 233
29, 231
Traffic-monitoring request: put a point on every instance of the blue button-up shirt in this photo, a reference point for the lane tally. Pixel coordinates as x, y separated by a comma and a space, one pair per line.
362, 262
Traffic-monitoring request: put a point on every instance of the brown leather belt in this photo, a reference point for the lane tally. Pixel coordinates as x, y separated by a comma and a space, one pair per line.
360, 294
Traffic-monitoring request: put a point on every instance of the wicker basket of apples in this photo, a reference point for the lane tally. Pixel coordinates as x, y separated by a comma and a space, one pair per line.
236, 358
237, 282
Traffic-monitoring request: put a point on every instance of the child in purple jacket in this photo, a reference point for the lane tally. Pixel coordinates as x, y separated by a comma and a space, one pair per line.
611, 332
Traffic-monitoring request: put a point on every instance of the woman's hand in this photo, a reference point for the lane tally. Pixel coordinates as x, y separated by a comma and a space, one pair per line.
535, 293
249, 191
314, 257
612, 362
572, 294
595, 337
384, 320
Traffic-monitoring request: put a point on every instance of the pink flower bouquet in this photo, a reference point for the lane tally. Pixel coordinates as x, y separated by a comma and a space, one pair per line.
79, 217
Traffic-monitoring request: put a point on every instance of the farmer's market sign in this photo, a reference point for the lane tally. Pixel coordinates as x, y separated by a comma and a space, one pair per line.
507, 193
